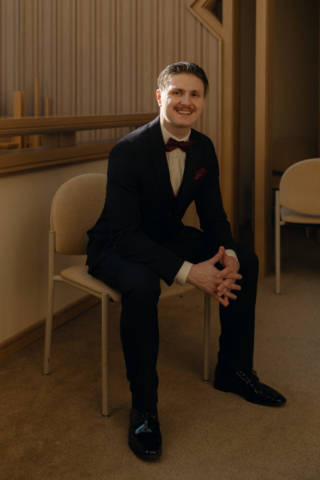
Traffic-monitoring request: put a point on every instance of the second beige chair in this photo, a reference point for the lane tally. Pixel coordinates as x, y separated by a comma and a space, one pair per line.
297, 201
75, 208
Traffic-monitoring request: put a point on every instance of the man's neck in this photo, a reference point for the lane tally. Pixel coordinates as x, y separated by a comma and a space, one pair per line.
176, 132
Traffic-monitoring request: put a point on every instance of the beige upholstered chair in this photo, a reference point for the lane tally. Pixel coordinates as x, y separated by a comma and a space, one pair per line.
75, 208
297, 201
288, 150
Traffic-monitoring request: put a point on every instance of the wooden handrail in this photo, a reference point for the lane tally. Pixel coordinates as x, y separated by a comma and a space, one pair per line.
54, 125
59, 147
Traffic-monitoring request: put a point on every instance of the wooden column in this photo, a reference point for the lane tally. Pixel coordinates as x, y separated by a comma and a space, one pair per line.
263, 133
230, 121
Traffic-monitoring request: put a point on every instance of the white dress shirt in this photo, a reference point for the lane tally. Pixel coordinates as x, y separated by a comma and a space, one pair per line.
176, 163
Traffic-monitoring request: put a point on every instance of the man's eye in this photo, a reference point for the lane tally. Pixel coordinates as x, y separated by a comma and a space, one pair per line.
176, 93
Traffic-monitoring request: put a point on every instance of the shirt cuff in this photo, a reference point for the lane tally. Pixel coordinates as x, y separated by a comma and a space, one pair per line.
181, 276
232, 253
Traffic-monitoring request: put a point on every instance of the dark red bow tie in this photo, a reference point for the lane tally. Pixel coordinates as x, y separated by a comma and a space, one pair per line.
173, 144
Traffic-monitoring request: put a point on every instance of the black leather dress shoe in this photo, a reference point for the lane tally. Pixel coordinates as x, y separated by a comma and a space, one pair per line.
246, 384
144, 434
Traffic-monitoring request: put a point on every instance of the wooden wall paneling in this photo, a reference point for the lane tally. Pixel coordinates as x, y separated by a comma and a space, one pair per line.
263, 132
190, 35
190, 41
28, 58
1, 65
66, 58
147, 61
10, 74
168, 33
106, 62
210, 46
86, 62
48, 54
19, 111
126, 58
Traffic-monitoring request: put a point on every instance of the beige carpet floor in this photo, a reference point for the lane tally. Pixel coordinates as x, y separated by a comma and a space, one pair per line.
51, 426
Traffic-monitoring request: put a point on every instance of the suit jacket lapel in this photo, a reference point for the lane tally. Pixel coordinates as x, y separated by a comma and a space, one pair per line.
159, 160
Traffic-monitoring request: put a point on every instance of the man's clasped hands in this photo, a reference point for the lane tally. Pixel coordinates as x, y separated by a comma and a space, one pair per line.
218, 283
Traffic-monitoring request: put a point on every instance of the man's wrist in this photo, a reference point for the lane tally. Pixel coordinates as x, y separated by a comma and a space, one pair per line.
232, 253
182, 274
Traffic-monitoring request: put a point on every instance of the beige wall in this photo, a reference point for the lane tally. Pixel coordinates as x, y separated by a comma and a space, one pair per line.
25, 211
296, 77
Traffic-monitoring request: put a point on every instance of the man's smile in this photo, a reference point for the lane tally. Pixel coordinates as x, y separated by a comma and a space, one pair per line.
184, 111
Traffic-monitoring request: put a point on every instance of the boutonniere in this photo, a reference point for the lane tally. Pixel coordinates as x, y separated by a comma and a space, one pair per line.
200, 173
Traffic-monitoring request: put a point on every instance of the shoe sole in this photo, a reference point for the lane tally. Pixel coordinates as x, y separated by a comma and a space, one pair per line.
146, 457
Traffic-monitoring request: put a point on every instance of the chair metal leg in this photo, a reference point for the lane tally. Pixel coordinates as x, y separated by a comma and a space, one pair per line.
104, 328
277, 242
206, 337
48, 333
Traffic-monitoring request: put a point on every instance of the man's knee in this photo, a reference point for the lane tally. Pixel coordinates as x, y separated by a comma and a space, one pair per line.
145, 287
248, 260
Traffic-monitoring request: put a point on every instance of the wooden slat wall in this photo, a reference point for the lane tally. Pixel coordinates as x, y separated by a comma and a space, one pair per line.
85, 62
106, 61
10, 33
48, 54
67, 54
29, 50
101, 56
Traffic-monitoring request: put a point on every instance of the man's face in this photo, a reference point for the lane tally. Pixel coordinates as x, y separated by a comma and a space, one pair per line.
181, 103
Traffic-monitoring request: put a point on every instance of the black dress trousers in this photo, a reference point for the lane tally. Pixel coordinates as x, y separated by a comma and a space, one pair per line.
140, 288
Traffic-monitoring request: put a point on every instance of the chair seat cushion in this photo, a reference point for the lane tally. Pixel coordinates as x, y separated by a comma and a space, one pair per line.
291, 216
79, 276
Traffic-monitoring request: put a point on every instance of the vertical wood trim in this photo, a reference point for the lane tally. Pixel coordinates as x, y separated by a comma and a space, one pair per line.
48, 110
230, 101
263, 131
1, 64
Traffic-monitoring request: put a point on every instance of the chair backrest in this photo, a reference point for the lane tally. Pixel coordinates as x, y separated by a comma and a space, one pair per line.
288, 150
75, 208
300, 187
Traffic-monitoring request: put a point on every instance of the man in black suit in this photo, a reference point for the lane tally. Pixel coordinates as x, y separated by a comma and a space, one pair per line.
154, 174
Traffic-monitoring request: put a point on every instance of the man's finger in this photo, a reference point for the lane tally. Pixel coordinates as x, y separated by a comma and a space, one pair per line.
236, 276
215, 259
221, 300
229, 284
227, 293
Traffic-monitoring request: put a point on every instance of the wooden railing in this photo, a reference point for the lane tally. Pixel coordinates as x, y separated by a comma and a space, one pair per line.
58, 145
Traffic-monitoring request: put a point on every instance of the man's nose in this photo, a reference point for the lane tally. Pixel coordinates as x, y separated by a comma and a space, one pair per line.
186, 100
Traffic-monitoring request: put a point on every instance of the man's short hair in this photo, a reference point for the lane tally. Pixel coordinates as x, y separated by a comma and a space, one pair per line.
182, 67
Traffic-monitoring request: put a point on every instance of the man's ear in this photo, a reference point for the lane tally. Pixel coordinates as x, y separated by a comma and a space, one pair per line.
159, 97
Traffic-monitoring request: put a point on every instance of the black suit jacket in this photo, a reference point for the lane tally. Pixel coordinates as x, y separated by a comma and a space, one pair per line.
136, 220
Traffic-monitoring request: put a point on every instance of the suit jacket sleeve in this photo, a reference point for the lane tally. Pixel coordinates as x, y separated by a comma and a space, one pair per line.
125, 223
213, 219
